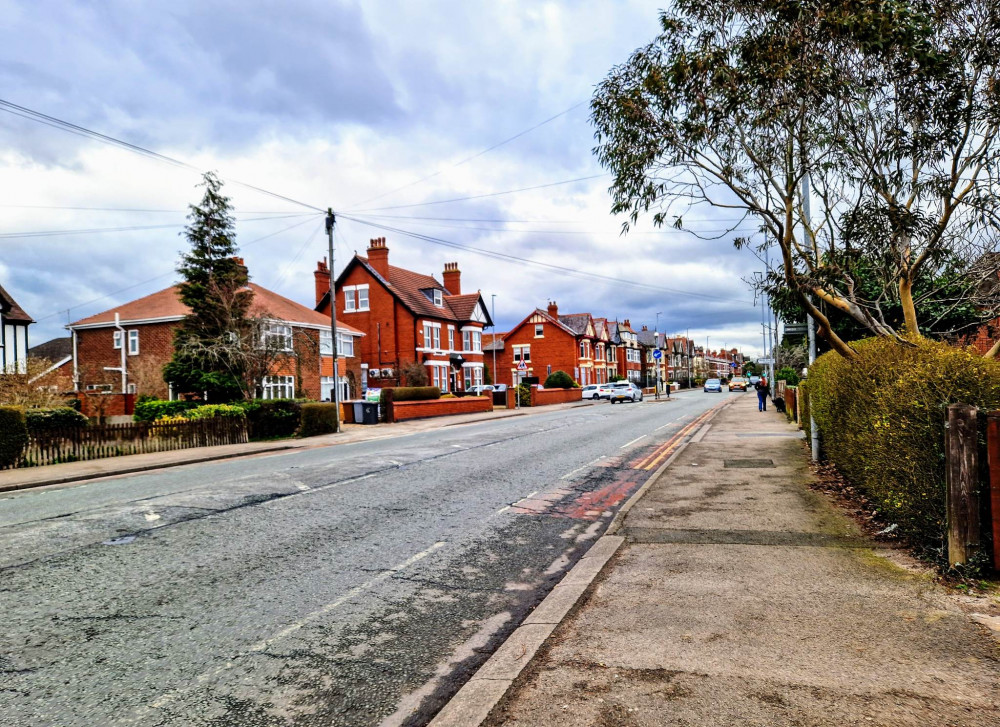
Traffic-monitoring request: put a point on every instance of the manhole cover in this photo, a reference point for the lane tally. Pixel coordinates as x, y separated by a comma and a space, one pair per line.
748, 464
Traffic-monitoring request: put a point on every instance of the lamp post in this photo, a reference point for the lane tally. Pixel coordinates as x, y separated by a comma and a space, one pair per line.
493, 315
656, 346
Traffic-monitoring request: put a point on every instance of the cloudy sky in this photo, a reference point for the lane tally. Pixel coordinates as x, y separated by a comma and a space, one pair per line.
379, 109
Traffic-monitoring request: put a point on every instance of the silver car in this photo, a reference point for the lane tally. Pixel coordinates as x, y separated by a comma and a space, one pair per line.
714, 385
623, 391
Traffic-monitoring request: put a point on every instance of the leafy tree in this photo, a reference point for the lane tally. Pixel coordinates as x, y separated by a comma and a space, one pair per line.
890, 109
415, 374
215, 288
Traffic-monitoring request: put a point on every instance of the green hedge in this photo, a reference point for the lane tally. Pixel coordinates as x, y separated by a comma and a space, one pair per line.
559, 380
41, 420
271, 418
318, 419
881, 420
13, 435
149, 410
215, 411
415, 393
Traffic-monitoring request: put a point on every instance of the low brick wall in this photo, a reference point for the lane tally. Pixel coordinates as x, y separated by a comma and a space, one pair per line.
403, 410
544, 397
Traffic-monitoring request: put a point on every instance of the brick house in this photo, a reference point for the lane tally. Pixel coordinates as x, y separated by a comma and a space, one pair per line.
14, 324
680, 358
547, 342
59, 354
653, 369
123, 350
609, 345
408, 317
629, 353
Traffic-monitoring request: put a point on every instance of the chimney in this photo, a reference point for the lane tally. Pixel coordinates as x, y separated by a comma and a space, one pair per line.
553, 309
626, 323
452, 278
645, 328
322, 276
378, 256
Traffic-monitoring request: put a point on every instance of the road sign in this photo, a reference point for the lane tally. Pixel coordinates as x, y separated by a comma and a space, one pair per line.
732, 364
522, 366
765, 361
657, 354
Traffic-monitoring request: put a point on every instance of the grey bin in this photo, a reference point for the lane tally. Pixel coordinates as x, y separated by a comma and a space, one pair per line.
366, 412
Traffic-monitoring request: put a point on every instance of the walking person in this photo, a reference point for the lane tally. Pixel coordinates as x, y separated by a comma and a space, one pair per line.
763, 389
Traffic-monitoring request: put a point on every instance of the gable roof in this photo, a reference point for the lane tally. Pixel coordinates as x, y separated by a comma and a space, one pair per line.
408, 286
55, 350
576, 322
11, 310
165, 305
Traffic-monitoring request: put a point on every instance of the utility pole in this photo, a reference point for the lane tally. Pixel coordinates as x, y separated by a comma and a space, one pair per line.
813, 431
688, 350
493, 315
331, 220
656, 347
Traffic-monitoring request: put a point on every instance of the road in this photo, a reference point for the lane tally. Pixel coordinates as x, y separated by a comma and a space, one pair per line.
351, 585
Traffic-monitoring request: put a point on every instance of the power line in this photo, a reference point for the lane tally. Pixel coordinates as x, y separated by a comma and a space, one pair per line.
128, 209
284, 273
163, 275
132, 228
478, 154
482, 196
537, 263
47, 120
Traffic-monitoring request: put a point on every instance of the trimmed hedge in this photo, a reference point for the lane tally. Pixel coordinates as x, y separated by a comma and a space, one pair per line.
881, 420
149, 410
318, 419
13, 435
271, 418
415, 393
559, 380
215, 411
64, 417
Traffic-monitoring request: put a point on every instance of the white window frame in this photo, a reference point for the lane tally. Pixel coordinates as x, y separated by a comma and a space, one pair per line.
133, 342
116, 340
451, 338
279, 330
345, 345
466, 340
278, 387
438, 298
477, 341
522, 353
363, 304
326, 343
539, 330
350, 300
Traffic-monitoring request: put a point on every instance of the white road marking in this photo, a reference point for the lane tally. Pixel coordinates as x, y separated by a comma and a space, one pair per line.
302, 487
628, 444
530, 494
505, 508
668, 424
151, 516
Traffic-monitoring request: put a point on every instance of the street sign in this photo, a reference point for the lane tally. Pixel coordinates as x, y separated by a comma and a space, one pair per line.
657, 354
765, 360
732, 364
522, 366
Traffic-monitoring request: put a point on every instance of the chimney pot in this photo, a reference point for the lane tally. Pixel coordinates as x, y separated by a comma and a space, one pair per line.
378, 257
452, 278
553, 309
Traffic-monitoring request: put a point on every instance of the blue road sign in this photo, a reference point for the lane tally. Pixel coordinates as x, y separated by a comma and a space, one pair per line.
657, 354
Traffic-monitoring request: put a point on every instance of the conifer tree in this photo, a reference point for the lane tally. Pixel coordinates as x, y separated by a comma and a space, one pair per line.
215, 288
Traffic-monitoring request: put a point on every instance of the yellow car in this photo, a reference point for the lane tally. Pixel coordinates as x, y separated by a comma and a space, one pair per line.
738, 383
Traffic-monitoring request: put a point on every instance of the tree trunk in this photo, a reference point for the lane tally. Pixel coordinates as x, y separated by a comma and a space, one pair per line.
825, 329
911, 329
992, 353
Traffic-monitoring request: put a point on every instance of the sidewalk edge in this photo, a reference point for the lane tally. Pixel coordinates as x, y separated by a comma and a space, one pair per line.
473, 703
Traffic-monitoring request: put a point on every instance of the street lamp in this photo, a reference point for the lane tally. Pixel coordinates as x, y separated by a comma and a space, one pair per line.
493, 315
656, 346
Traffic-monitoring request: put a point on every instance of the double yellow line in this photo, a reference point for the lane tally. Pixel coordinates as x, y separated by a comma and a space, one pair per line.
655, 458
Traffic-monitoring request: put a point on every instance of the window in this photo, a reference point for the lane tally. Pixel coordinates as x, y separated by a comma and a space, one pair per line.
468, 378
362, 297
345, 345
131, 388
539, 330
355, 298
438, 298
522, 353
477, 341
436, 332
133, 342
99, 387
278, 387
451, 338
466, 340
477, 376
326, 345
117, 339
278, 336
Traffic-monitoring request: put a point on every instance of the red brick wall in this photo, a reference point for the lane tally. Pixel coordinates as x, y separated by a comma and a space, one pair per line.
95, 350
557, 349
403, 410
545, 397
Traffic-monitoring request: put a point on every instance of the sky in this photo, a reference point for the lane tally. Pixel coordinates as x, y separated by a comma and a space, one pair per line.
383, 111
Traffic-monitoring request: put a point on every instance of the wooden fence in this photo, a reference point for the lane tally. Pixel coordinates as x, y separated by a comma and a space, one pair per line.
75, 444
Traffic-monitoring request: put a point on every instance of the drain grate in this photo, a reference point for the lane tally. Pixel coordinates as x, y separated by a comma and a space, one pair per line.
748, 464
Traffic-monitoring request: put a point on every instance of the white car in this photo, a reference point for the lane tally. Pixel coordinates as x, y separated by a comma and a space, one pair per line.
604, 391
625, 391
481, 390
590, 391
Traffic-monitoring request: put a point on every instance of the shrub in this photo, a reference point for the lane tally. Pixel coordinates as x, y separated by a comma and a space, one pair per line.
13, 435
149, 410
43, 420
416, 393
415, 374
523, 395
214, 411
318, 419
788, 375
271, 418
882, 419
448, 396
559, 380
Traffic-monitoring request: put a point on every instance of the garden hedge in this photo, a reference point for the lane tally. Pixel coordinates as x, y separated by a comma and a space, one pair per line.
149, 410
216, 411
13, 435
881, 420
318, 419
559, 380
64, 417
415, 393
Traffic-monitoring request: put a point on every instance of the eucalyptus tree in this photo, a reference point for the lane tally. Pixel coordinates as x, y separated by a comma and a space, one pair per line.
888, 107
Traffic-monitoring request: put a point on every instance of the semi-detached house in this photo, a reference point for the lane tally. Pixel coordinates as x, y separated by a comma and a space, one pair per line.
14, 324
408, 317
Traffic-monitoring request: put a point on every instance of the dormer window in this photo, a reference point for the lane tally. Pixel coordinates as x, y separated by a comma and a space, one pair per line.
438, 298
435, 295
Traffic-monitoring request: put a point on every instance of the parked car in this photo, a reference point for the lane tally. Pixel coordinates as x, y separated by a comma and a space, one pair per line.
713, 385
501, 388
590, 391
625, 391
753, 381
481, 390
738, 384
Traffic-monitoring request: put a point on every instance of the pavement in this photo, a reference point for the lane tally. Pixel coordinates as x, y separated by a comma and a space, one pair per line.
730, 593
68, 472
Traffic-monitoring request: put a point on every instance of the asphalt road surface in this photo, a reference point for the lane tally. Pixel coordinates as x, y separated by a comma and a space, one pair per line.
350, 585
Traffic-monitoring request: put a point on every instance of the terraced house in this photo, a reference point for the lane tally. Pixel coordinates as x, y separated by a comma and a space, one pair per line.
408, 317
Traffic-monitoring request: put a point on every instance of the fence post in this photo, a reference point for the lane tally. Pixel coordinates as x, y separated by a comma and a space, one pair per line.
993, 462
961, 477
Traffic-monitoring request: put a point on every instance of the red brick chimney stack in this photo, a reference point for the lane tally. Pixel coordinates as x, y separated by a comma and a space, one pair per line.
378, 256
452, 278
553, 309
322, 276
